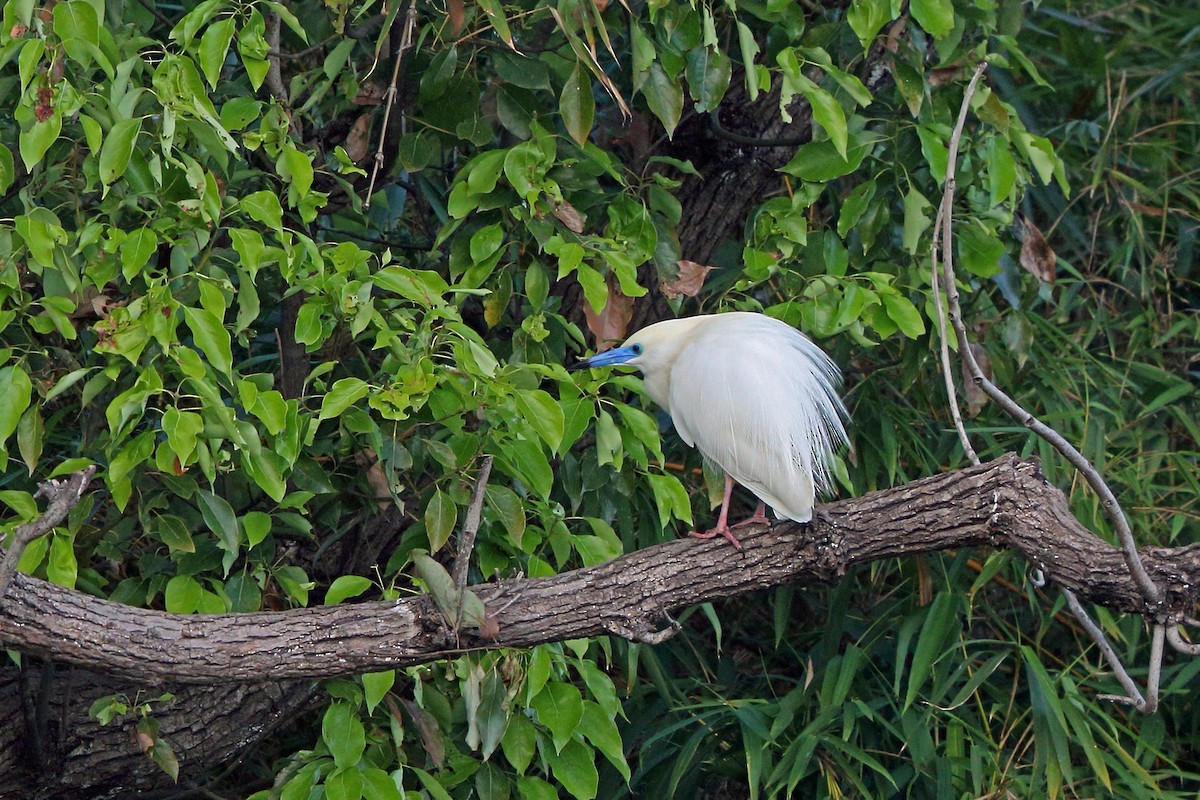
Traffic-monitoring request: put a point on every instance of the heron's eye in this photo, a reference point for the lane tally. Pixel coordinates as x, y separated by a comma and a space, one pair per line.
637, 349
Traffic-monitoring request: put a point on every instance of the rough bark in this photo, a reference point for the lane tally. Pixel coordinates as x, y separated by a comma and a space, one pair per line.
259, 664
1004, 503
51, 748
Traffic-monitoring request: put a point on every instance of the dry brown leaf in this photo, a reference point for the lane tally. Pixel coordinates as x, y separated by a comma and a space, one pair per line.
943, 75
457, 12
895, 31
689, 282
369, 94
376, 477
358, 140
976, 399
568, 215
610, 326
92, 304
427, 728
1036, 255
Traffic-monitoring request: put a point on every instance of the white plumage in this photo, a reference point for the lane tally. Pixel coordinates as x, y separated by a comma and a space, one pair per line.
753, 395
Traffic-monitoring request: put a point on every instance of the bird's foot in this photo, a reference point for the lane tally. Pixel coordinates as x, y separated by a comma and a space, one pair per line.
757, 519
720, 530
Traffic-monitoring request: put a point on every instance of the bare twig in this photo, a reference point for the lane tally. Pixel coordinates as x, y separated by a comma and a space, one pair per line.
389, 100
1178, 643
1112, 507
462, 561
1132, 697
62, 496
274, 76
947, 371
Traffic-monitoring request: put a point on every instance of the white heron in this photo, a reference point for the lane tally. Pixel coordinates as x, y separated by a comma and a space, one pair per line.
755, 396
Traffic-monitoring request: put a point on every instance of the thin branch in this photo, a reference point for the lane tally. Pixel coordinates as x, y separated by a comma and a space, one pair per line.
62, 496
947, 370
1132, 696
462, 561
1177, 642
1151, 592
274, 76
406, 43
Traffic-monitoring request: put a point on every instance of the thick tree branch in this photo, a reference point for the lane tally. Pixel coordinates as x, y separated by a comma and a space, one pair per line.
1005, 503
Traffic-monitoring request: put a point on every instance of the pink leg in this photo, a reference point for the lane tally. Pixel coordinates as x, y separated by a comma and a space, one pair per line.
759, 518
722, 527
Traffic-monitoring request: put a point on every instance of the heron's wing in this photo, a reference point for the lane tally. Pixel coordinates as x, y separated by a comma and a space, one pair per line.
760, 400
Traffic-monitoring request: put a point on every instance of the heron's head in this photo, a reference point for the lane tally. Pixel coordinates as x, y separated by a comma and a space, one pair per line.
650, 349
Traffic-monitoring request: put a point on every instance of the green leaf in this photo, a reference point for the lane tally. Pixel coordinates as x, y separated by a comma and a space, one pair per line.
219, 517
827, 112
37, 139
173, 532
575, 768
941, 618
343, 733
78, 28
935, 16
509, 510
264, 207
934, 149
534, 788
376, 685
243, 593
608, 440
577, 105
344, 784
117, 148
821, 162
671, 499
543, 413
866, 17
16, 389
456, 606
1001, 170
525, 460
708, 72
183, 595
441, 515
136, 250
495, 16
31, 437
431, 785
519, 742
214, 47
902, 312
62, 568
601, 731
297, 168
256, 525
211, 337
182, 428
343, 394
345, 587
854, 206
378, 785
8, 172
491, 717
979, 249
559, 707
664, 96
916, 219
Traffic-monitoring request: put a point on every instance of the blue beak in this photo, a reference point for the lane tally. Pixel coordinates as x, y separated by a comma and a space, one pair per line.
618, 355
